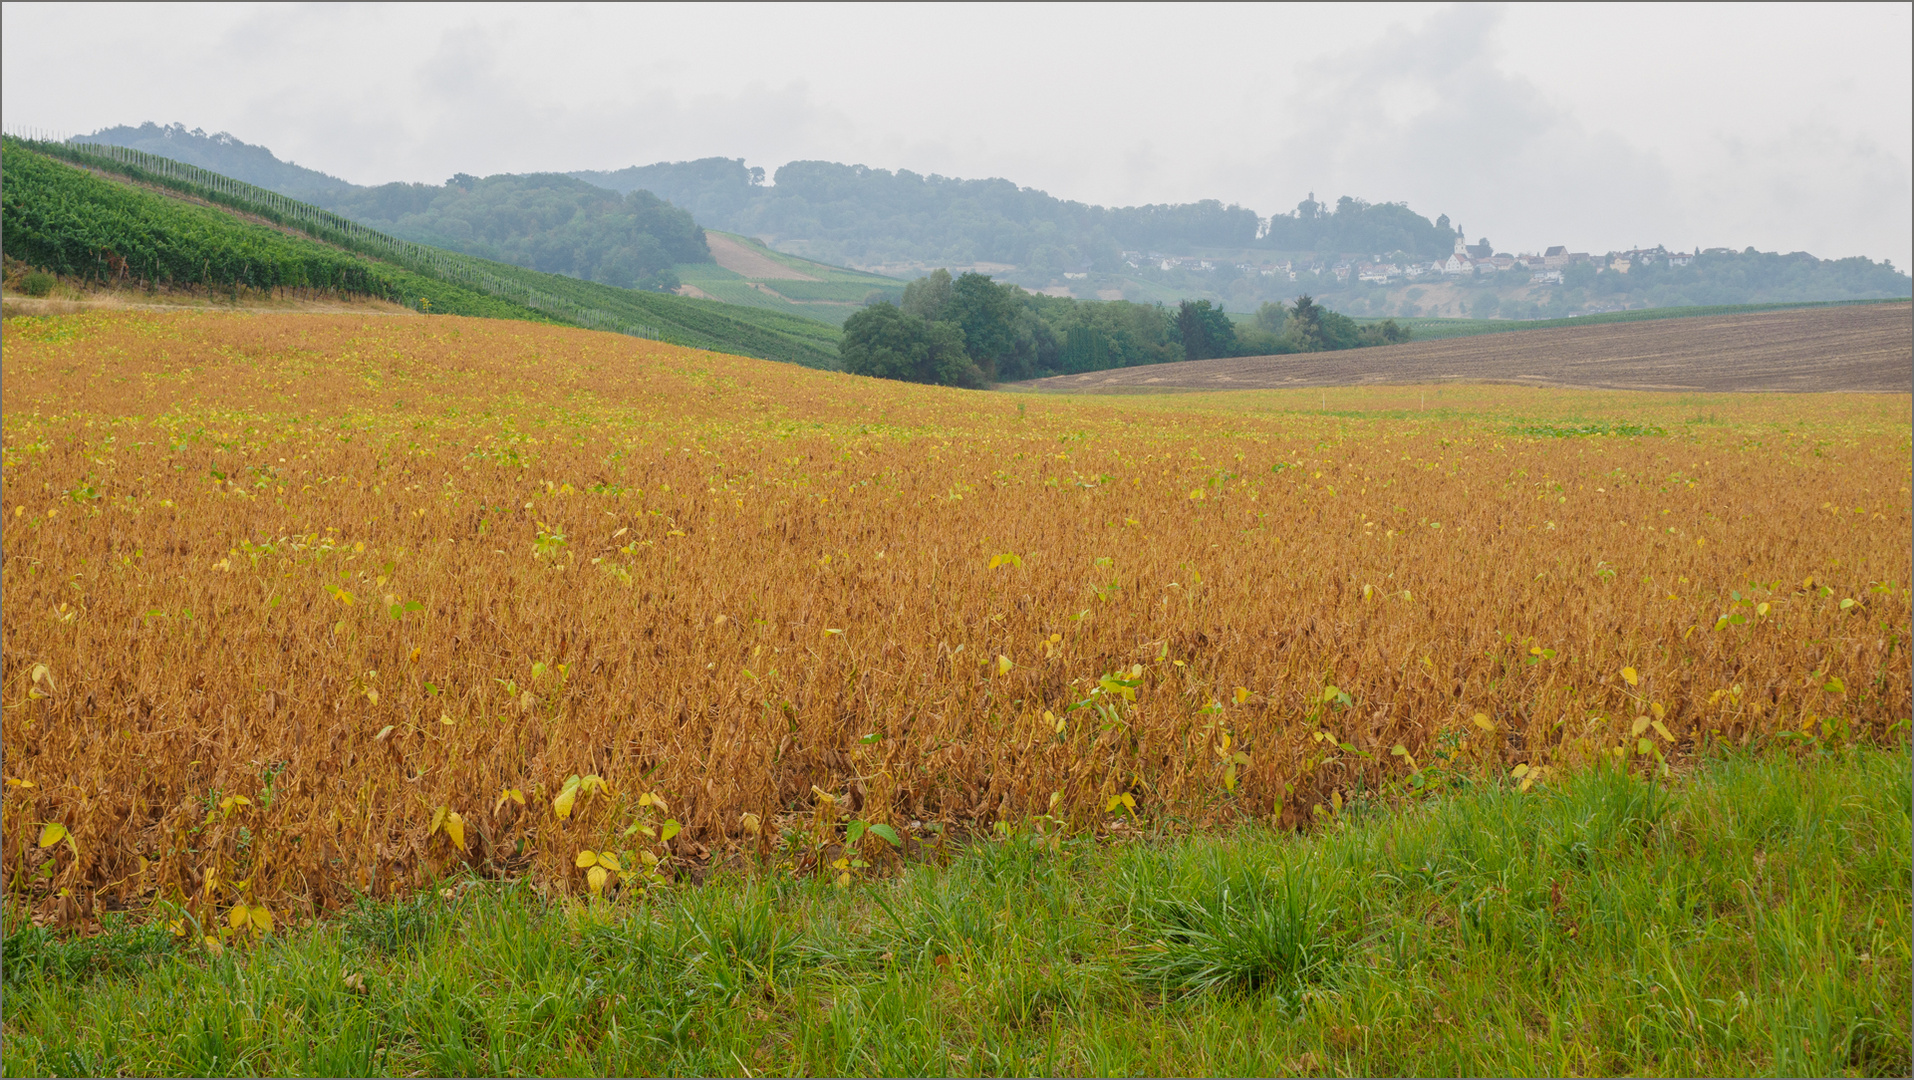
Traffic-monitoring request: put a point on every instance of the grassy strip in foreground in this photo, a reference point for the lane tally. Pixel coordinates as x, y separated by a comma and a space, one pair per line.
1752, 918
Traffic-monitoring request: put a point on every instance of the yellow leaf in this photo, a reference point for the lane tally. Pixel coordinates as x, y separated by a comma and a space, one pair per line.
1003, 664
562, 806
1242, 695
1659, 712
446, 718
666, 832
527, 702
750, 823
52, 833
1662, 730
609, 861
455, 828
1482, 721
13, 782
1335, 800
1519, 771
262, 919
597, 876
1196, 495
383, 732
1640, 725
239, 916
1124, 800
438, 819
1630, 676
584, 859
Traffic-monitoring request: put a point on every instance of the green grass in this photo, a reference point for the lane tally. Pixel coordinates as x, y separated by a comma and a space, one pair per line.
1752, 918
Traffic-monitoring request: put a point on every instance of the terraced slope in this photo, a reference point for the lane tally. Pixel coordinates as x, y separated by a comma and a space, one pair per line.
749, 274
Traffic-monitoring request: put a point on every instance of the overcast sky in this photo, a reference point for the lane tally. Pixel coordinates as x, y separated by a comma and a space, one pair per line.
1604, 126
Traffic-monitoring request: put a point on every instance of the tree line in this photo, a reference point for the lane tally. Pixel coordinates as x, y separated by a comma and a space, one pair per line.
856, 214
971, 331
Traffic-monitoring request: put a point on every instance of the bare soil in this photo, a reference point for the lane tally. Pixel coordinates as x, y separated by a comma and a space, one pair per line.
741, 260
1868, 348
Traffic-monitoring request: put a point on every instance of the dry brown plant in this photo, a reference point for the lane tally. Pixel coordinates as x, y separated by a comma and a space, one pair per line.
295, 604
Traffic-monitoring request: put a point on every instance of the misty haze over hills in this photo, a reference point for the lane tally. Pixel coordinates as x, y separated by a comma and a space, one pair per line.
1360, 258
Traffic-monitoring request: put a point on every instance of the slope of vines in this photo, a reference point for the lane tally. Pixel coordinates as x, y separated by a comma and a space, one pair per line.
678, 320
73, 223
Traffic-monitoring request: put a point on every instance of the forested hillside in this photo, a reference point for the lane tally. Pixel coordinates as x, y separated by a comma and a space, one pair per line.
864, 216
902, 224
541, 221
223, 154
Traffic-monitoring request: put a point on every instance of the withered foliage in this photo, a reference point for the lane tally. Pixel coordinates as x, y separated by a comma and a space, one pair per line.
285, 591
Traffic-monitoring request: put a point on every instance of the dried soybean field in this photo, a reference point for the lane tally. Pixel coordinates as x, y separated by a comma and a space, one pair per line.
300, 606
1862, 348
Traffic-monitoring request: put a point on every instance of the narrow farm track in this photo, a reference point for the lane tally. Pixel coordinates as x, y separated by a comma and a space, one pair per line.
1867, 348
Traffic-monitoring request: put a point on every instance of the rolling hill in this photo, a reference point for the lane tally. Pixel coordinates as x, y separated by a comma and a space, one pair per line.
103, 213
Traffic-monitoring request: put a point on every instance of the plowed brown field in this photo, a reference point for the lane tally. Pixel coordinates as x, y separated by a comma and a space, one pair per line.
1867, 348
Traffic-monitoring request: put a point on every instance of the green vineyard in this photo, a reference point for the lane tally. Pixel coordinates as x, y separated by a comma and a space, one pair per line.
82, 225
